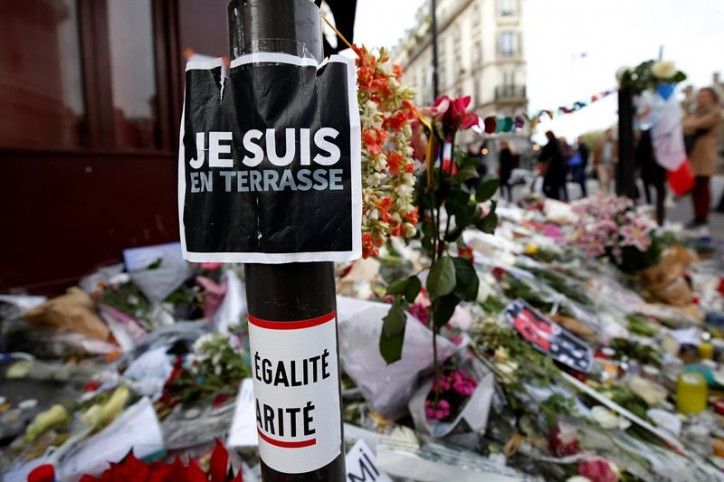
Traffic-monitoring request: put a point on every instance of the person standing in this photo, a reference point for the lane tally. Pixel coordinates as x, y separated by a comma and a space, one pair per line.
605, 156
506, 164
579, 164
703, 127
551, 161
566, 156
653, 175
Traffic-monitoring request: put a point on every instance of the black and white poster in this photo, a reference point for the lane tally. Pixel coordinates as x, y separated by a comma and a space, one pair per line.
269, 161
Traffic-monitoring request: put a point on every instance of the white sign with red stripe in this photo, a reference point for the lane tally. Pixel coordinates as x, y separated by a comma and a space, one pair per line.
295, 373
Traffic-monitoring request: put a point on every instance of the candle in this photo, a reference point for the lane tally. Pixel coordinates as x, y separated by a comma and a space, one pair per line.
706, 350
691, 390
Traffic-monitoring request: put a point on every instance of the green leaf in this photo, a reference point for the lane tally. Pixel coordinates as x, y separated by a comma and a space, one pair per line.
487, 190
466, 173
441, 279
443, 309
408, 287
393, 332
679, 77
488, 223
460, 205
397, 287
413, 288
455, 233
466, 280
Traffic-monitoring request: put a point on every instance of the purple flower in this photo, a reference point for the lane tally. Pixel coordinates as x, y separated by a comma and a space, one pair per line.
442, 385
439, 411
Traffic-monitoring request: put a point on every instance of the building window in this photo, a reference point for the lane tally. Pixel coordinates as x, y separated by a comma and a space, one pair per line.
41, 89
506, 8
83, 74
133, 77
507, 43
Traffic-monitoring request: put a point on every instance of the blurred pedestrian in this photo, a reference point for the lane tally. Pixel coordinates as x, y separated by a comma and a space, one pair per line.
474, 152
605, 157
566, 155
653, 175
551, 161
703, 127
578, 164
507, 162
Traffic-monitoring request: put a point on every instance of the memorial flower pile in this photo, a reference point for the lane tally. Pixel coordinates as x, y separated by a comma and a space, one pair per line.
386, 116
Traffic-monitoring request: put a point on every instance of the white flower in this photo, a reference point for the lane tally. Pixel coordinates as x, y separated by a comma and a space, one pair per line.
663, 69
578, 478
608, 419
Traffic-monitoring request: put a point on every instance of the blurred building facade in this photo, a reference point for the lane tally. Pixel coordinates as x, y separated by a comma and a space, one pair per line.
480, 53
91, 96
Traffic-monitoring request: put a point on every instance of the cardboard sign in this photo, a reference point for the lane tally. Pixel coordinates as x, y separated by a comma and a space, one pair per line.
548, 337
361, 465
269, 163
296, 391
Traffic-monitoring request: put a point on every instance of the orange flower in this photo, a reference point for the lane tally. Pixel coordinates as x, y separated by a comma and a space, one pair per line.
394, 161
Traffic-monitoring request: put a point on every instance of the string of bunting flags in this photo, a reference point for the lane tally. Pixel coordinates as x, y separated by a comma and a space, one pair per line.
498, 124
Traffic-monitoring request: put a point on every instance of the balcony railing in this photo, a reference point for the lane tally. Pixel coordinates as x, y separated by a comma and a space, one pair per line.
510, 92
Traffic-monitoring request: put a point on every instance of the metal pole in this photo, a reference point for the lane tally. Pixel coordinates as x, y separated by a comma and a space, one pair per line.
282, 293
433, 28
625, 170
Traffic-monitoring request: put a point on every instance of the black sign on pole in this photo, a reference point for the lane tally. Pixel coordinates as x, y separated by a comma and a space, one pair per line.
269, 175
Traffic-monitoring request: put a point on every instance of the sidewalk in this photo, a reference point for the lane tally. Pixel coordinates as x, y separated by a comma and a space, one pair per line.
682, 211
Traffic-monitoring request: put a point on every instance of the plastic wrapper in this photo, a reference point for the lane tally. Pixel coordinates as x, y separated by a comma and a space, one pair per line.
148, 373
162, 280
559, 212
126, 330
610, 294
233, 306
92, 282
192, 427
433, 463
472, 417
386, 387
17, 304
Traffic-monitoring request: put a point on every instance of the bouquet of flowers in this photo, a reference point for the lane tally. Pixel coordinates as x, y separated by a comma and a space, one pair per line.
212, 371
449, 393
612, 227
386, 115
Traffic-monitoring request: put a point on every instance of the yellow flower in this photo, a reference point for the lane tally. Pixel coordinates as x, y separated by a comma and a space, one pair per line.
531, 249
